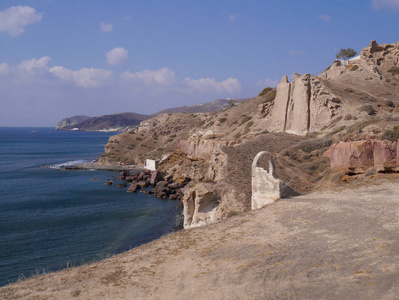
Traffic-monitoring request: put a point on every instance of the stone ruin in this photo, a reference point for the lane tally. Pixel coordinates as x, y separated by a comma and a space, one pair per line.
266, 188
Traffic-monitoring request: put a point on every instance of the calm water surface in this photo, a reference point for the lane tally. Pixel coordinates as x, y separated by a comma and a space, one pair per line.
51, 218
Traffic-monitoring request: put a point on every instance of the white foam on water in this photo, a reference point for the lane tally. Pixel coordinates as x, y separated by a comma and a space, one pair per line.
69, 163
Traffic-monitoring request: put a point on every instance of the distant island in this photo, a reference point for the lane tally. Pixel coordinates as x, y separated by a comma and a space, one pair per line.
123, 121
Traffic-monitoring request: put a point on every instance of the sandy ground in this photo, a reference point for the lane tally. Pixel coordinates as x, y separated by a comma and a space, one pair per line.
337, 244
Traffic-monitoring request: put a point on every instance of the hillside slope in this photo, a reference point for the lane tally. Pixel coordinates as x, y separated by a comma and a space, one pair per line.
326, 245
297, 123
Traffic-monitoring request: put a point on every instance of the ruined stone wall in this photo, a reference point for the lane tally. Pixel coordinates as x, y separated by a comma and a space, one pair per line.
266, 188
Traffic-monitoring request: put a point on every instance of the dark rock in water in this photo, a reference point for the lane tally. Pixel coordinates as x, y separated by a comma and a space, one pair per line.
122, 185
143, 184
147, 192
124, 174
134, 187
156, 177
109, 182
144, 175
131, 178
93, 178
173, 197
161, 190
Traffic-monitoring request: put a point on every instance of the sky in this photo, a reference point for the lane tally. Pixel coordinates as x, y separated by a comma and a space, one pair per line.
60, 58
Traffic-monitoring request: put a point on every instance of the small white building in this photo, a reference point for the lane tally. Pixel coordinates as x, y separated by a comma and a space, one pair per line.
151, 164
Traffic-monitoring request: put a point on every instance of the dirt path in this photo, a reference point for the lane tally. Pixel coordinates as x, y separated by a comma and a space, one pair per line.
341, 244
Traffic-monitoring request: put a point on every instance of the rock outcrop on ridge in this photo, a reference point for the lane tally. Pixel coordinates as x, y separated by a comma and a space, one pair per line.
303, 105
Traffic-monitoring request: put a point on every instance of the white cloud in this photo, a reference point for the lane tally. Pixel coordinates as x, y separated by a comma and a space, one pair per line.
379, 4
165, 79
127, 18
233, 17
85, 77
205, 85
34, 84
267, 83
117, 56
324, 17
4, 69
106, 28
161, 77
14, 19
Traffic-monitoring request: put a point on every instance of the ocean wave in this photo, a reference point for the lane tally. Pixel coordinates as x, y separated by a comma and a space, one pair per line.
69, 164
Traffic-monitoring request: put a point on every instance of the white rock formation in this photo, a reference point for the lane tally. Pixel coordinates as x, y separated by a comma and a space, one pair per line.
304, 105
266, 188
200, 204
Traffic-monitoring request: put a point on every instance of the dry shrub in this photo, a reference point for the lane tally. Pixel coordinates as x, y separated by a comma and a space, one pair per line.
391, 135
315, 144
369, 109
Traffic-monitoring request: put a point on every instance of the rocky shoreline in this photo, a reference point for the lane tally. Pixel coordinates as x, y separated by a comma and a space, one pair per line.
163, 186
143, 180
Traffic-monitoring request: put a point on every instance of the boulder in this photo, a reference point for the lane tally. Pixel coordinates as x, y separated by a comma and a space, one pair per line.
385, 155
122, 185
109, 182
176, 185
161, 190
200, 205
131, 178
143, 175
174, 197
123, 174
358, 157
168, 178
143, 184
134, 187
156, 177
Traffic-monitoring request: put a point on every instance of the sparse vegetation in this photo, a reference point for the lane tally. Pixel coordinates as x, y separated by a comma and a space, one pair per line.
346, 53
222, 120
389, 103
394, 71
354, 68
391, 135
348, 117
245, 119
315, 144
369, 109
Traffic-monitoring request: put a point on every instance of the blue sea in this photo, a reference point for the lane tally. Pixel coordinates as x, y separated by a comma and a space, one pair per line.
52, 218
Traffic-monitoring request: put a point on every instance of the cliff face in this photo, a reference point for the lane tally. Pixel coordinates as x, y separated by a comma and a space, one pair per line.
303, 105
